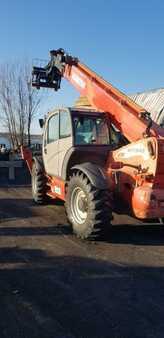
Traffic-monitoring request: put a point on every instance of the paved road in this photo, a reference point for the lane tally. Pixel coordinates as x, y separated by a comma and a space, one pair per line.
54, 285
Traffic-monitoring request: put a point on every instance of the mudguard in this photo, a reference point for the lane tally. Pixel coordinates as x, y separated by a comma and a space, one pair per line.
95, 174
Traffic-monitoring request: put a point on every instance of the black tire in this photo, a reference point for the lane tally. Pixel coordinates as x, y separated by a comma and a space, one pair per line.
88, 208
38, 184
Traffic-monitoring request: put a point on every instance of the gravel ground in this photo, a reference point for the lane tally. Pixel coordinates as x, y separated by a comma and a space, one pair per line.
54, 285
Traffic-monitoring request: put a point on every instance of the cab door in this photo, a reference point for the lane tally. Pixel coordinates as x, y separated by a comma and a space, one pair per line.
65, 136
51, 145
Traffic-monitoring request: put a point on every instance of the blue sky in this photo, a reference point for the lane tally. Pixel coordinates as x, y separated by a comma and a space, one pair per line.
123, 41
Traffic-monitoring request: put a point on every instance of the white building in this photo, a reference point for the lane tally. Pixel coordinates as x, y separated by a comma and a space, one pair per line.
153, 102
5, 139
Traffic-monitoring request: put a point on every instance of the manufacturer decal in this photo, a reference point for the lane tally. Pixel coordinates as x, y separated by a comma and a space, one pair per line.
57, 190
133, 151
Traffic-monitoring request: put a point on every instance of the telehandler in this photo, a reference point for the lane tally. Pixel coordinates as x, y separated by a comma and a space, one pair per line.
92, 158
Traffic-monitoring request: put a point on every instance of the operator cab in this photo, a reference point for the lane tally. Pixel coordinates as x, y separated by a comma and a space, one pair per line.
94, 128
76, 136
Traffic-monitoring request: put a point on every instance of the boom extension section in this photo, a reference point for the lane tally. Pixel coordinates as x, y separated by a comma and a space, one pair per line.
133, 121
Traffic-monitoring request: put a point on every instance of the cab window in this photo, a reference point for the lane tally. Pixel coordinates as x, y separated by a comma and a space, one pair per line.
53, 129
91, 130
65, 124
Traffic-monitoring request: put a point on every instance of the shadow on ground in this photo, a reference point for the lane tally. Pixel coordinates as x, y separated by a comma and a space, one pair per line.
145, 235
35, 231
15, 208
23, 207
119, 234
64, 297
150, 234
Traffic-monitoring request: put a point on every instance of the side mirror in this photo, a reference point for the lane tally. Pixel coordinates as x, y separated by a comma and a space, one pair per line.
41, 123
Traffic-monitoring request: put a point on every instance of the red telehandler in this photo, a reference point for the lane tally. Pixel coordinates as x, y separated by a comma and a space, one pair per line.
100, 158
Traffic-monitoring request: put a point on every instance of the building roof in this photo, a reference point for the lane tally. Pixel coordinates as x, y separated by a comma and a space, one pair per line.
153, 102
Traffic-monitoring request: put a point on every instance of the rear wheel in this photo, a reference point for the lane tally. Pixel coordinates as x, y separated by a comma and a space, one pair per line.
38, 185
88, 208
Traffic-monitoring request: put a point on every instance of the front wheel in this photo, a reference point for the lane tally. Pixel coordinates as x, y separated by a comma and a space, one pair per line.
88, 208
38, 185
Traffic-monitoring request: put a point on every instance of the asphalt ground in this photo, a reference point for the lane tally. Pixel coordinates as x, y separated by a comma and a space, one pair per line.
54, 285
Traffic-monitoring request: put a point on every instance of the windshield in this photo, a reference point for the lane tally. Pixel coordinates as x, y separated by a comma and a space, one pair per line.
91, 130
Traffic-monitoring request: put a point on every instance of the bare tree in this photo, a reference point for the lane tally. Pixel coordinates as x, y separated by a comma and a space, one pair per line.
19, 102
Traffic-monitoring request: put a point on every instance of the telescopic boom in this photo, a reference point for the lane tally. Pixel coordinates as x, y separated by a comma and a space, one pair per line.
133, 121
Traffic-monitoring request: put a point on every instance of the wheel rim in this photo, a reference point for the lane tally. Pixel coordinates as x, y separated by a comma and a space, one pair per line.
79, 205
